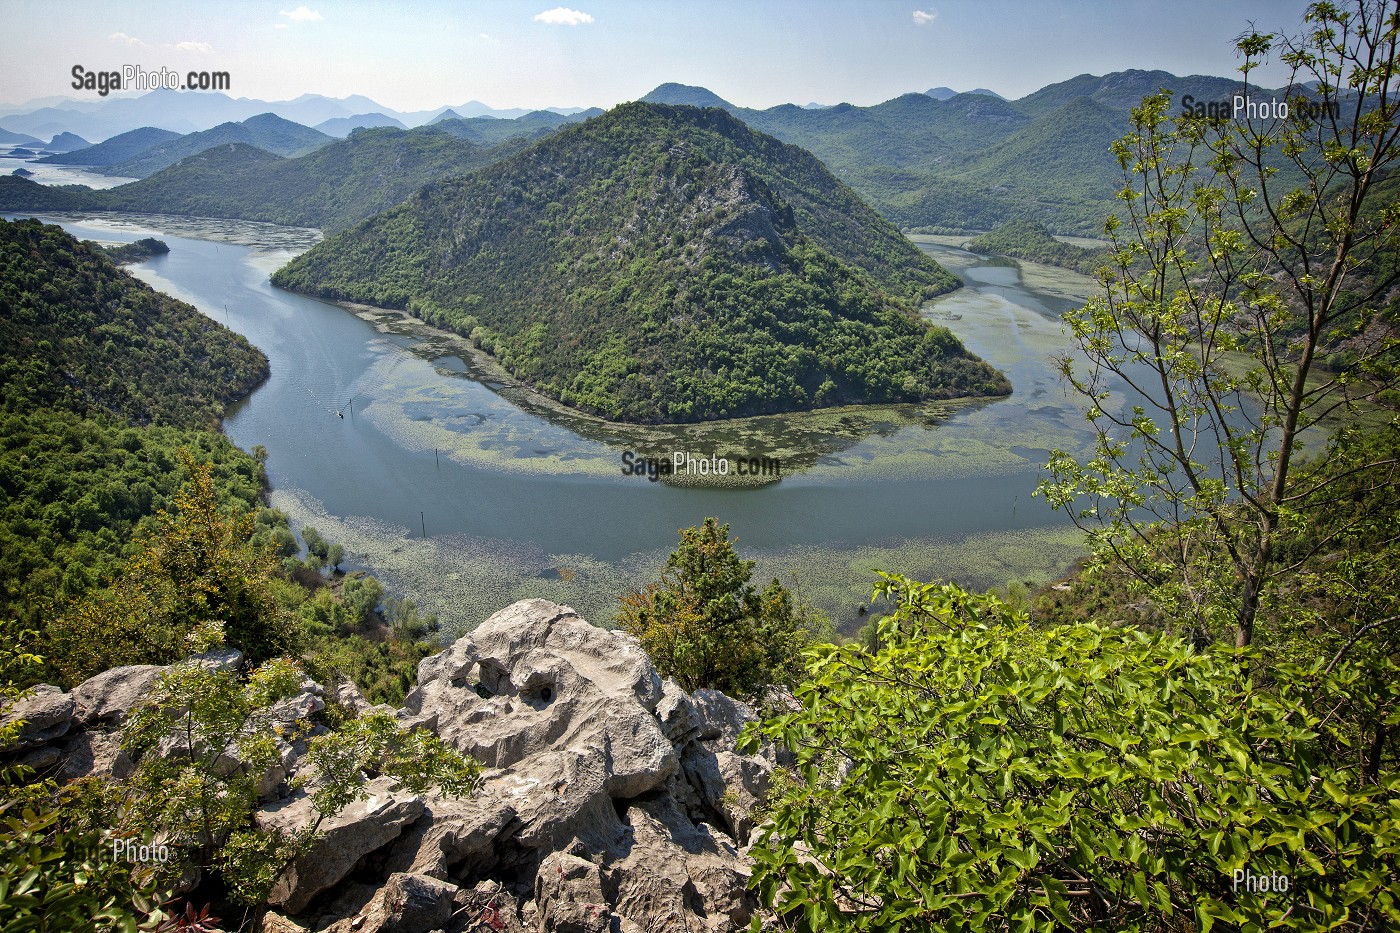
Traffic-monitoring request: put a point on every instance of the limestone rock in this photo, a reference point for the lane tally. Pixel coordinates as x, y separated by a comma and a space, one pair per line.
274, 922
569, 896
405, 904
349, 696
676, 713
561, 712
610, 800
721, 717
47, 714
95, 754
668, 875
107, 698
462, 837
730, 785
361, 828
220, 659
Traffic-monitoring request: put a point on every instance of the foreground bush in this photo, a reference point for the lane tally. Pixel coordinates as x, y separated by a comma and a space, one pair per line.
977, 773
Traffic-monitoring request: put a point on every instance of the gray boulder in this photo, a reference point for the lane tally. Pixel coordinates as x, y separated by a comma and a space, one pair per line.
95, 754
561, 712
569, 896
669, 875
107, 698
47, 714
361, 828
610, 800
405, 904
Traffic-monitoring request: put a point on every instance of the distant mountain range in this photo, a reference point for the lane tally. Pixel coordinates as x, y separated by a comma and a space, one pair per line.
341, 127
266, 131
67, 142
975, 160
935, 159
943, 93
332, 187
16, 139
189, 112
117, 149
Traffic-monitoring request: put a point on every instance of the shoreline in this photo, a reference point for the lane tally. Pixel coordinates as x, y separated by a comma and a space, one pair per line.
800, 440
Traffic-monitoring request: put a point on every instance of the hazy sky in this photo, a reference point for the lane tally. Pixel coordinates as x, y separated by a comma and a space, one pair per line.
510, 53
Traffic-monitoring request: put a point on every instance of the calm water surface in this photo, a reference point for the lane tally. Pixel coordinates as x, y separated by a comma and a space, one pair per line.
375, 438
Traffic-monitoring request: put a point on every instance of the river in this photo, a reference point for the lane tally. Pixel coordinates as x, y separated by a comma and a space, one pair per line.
394, 442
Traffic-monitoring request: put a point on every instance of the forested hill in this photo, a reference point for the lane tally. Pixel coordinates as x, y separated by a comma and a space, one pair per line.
266, 131
79, 334
102, 382
332, 188
663, 263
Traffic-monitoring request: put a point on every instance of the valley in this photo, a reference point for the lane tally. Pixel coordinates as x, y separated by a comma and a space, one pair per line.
521, 496
699, 512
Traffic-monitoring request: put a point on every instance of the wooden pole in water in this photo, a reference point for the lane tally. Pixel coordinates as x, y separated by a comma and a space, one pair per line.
425, 524
436, 460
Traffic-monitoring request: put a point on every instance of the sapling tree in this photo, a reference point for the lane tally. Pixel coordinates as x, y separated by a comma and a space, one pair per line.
207, 741
1248, 306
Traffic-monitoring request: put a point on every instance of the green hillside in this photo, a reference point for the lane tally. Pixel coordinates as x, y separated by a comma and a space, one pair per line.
663, 263
1024, 239
81, 335
266, 131
121, 148
331, 188
1123, 90
975, 161
488, 131
105, 381
21, 194
1062, 155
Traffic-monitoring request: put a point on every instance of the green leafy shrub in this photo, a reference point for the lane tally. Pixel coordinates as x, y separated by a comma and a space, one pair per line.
706, 625
976, 773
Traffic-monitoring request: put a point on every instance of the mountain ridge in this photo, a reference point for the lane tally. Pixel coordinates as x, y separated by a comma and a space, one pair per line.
662, 263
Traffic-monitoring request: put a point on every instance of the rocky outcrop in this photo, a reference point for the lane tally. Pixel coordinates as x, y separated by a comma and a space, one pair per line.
105, 700
611, 800
46, 715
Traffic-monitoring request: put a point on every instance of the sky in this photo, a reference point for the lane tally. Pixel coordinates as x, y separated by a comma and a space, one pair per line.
513, 53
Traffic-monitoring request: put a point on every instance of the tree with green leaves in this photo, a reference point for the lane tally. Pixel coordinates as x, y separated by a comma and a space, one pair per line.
979, 773
206, 741
58, 870
198, 570
705, 625
1246, 306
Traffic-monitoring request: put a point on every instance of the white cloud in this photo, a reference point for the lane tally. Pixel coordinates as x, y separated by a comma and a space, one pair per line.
563, 16
302, 14
279, 25
487, 37
923, 18
203, 47
123, 37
